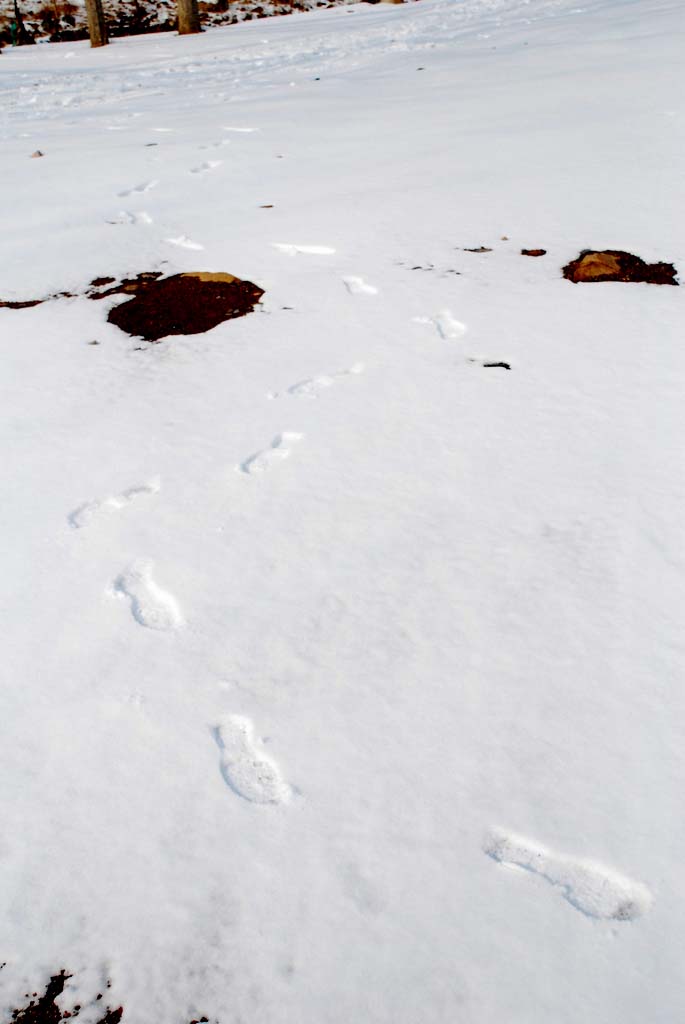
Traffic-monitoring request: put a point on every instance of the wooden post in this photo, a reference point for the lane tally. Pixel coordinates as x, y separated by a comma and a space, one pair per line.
188, 17
97, 26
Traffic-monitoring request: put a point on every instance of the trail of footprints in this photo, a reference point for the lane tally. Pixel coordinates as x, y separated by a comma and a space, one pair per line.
593, 889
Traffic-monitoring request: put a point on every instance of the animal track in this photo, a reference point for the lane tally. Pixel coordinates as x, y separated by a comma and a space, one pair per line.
84, 513
150, 605
208, 165
279, 450
444, 323
144, 187
183, 242
358, 286
249, 772
310, 386
309, 250
595, 890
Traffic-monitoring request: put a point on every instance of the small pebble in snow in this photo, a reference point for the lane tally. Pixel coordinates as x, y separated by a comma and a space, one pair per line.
37, 153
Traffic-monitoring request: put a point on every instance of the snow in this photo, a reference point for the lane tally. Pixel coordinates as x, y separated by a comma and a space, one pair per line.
317, 631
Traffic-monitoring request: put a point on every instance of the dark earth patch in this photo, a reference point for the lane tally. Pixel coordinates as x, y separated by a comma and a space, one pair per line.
184, 304
615, 265
44, 1010
533, 252
190, 303
503, 366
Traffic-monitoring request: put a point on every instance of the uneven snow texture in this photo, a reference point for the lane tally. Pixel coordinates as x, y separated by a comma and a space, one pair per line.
258, 721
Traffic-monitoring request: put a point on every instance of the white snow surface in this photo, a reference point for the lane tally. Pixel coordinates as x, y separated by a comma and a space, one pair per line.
449, 619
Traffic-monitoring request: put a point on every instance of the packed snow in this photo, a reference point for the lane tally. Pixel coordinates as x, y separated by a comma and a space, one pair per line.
343, 664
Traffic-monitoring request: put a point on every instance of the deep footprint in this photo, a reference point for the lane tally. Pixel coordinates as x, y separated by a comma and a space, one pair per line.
310, 386
247, 769
592, 888
150, 605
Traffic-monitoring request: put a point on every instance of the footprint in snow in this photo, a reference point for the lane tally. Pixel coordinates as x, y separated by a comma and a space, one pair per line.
358, 286
278, 450
309, 250
592, 888
208, 165
310, 386
183, 242
150, 605
444, 323
82, 515
249, 772
145, 186
127, 217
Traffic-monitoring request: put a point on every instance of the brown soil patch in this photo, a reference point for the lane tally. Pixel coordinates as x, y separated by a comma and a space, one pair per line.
533, 252
615, 265
44, 1010
182, 304
20, 305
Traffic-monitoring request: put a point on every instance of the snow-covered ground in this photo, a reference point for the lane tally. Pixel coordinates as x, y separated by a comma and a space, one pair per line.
342, 674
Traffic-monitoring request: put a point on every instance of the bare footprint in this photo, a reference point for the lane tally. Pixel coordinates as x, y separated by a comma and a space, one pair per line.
444, 323
143, 187
150, 605
310, 386
82, 515
358, 286
278, 450
592, 888
309, 250
249, 772
183, 242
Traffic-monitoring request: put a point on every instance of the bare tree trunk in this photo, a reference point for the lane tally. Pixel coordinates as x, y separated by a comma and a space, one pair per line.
188, 17
21, 36
97, 26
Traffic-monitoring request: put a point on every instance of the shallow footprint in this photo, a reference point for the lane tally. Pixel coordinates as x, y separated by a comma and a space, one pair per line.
144, 187
309, 250
358, 286
444, 323
82, 515
208, 165
310, 386
249, 772
183, 242
592, 888
278, 450
150, 605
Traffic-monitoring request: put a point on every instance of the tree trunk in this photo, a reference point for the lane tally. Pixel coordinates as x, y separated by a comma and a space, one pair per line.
21, 36
97, 26
188, 17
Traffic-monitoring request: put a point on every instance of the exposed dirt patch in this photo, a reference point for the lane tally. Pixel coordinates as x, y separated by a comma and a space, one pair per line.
20, 305
44, 1010
189, 303
615, 265
182, 304
533, 252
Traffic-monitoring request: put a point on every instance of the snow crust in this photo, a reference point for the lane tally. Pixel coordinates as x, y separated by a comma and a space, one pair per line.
333, 659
